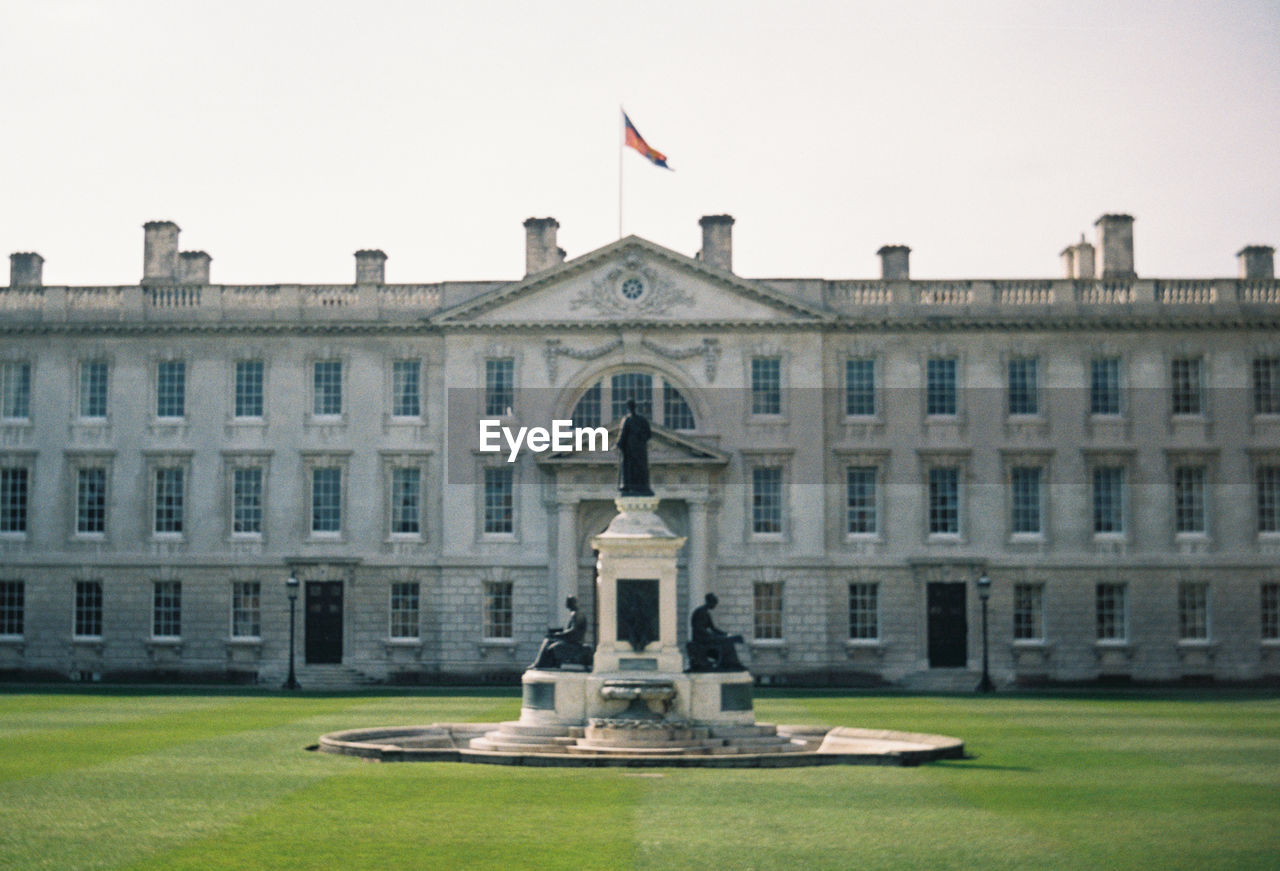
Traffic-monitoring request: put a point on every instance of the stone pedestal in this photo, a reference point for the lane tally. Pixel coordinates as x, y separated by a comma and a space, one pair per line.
636, 591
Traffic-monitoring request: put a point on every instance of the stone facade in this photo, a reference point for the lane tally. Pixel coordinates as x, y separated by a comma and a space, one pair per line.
845, 458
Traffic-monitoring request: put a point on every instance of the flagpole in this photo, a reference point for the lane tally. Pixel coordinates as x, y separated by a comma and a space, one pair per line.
622, 144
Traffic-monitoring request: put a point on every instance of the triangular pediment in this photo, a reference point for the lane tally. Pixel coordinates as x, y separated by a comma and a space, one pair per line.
666, 448
630, 281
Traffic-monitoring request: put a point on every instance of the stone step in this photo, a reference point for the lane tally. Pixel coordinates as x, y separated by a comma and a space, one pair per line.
759, 730
499, 746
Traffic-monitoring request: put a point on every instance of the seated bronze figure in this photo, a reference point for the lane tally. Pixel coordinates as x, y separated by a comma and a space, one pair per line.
709, 648
565, 646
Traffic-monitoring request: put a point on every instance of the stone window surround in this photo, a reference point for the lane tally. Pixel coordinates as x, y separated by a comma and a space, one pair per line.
85, 358
416, 459
488, 462
935, 458
1112, 457
21, 460
232, 460
390, 383
74, 462
878, 459
18, 356
312, 460
759, 458
249, 355
1208, 459
1011, 458
766, 350
327, 354
1184, 351
155, 461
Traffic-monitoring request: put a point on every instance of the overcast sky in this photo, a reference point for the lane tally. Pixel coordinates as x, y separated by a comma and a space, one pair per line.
282, 136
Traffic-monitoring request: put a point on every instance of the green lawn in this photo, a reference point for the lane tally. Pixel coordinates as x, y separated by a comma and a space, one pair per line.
221, 781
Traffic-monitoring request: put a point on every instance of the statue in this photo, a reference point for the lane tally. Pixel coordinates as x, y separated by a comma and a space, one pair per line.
633, 441
564, 646
710, 649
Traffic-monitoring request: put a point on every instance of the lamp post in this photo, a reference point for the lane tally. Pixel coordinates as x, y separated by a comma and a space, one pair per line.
984, 593
291, 683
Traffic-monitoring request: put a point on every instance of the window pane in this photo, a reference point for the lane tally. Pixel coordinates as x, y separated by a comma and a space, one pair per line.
766, 499
767, 622
15, 390
860, 387
1271, 612
940, 386
88, 613
499, 503
587, 411
498, 622
944, 500
1193, 611
1108, 499
327, 378
93, 389
1112, 615
1028, 612
1185, 375
166, 619
91, 500
246, 501
404, 610
676, 413
1023, 390
864, 611
406, 391
13, 500
1188, 499
12, 607
1024, 483
249, 388
766, 385
171, 388
1268, 485
169, 500
1104, 386
246, 609
860, 500
631, 385
1266, 385
406, 490
499, 386
326, 499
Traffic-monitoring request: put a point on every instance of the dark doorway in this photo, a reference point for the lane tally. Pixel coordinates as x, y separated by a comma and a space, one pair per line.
324, 621
948, 626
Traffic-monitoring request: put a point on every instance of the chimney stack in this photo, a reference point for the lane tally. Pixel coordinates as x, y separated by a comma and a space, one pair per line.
717, 241
160, 252
371, 266
895, 263
26, 269
1256, 261
540, 250
1115, 241
1077, 260
193, 267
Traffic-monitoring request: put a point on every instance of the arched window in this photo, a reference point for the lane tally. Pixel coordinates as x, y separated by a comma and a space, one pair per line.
655, 398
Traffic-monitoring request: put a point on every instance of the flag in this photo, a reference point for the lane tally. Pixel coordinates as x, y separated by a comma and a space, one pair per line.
636, 141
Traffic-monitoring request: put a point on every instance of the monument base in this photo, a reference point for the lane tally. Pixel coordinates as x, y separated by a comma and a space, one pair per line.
572, 698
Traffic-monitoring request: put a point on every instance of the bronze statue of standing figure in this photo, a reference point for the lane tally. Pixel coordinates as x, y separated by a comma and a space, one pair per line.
633, 443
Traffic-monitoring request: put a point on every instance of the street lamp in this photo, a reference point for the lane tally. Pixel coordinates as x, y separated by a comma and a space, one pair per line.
984, 593
292, 586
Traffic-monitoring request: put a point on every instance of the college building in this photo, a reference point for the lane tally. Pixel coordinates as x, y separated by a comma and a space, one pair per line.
847, 458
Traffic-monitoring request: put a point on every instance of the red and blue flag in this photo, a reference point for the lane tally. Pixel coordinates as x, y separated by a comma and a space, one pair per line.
636, 141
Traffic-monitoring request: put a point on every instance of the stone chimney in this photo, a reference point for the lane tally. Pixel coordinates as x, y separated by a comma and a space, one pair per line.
717, 241
1115, 241
1077, 260
1256, 261
540, 250
895, 263
371, 266
160, 252
193, 267
26, 269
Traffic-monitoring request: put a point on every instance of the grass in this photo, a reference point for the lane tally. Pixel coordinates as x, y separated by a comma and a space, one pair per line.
220, 780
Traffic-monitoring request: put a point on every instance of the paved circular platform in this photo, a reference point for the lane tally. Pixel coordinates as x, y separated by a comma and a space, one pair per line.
809, 745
